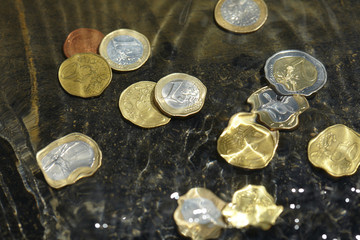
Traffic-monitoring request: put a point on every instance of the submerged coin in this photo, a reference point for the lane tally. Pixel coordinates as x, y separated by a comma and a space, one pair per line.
82, 40
198, 214
252, 205
136, 104
68, 159
277, 112
180, 94
336, 150
246, 144
241, 16
295, 72
85, 75
125, 49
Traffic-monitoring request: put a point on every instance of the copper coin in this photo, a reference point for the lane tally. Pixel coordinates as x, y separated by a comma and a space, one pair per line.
82, 40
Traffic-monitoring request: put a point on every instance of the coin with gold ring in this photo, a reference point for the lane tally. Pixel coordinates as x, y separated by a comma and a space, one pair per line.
85, 75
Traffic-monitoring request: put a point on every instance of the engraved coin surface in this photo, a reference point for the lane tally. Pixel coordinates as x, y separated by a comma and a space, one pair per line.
252, 205
295, 72
68, 159
276, 111
241, 16
180, 94
85, 75
82, 40
336, 150
246, 144
125, 49
136, 104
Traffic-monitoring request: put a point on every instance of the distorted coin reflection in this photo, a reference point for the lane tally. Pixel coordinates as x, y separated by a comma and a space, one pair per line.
180, 93
200, 210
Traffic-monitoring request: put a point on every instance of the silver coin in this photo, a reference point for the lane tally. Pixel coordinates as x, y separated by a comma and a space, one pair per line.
290, 78
200, 210
180, 93
240, 12
125, 50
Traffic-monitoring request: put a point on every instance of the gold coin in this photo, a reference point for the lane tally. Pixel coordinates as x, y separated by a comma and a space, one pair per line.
204, 224
85, 75
68, 159
136, 104
252, 205
336, 150
125, 49
180, 94
246, 144
241, 16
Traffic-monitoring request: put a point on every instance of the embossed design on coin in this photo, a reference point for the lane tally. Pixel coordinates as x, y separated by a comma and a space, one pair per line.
198, 214
336, 150
252, 205
136, 104
277, 112
241, 16
295, 72
85, 75
180, 94
68, 159
125, 49
246, 144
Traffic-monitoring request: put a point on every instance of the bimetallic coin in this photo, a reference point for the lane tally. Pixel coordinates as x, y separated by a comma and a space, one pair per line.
68, 159
277, 112
136, 104
180, 94
241, 16
336, 150
82, 40
295, 72
198, 214
125, 49
85, 75
252, 205
246, 144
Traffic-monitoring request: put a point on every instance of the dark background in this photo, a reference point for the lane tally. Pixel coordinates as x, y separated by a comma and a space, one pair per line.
130, 195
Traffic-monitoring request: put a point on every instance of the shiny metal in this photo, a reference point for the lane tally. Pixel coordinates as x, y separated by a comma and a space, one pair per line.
180, 93
200, 210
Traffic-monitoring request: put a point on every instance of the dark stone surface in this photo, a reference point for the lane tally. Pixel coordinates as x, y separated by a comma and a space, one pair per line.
143, 167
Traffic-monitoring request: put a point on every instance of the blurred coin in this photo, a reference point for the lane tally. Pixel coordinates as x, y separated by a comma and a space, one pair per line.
336, 150
82, 40
295, 72
136, 104
180, 95
241, 16
125, 49
85, 75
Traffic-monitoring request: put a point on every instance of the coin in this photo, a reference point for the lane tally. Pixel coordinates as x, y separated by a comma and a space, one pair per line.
68, 159
180, 94
198, 214
277, 112
241, 16
85, 75
252, 205
125, 49
336, 150
136, 104
82, 40
246, 144
295, 72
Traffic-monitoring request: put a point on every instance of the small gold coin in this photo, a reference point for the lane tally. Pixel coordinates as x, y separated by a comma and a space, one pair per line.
252, 205
180, 94
198, 214
68, 159
125, 49
246, 144
85, 75
336, 150
136, 104
241, 16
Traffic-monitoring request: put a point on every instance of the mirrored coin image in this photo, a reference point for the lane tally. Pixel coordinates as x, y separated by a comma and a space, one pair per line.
68, 159
295, 72
241, 16
125, 49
